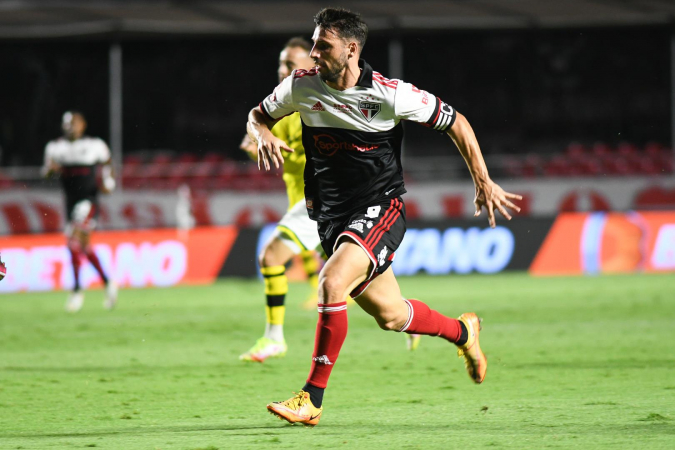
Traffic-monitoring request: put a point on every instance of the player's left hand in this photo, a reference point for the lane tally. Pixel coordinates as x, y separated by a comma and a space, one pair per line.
491, 196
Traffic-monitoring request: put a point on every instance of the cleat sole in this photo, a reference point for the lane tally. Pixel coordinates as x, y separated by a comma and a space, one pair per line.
281, 417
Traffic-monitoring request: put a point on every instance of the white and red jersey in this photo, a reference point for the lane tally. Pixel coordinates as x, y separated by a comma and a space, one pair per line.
78, 160
353, 137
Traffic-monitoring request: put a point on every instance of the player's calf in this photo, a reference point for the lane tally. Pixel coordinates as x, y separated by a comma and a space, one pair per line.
391, 321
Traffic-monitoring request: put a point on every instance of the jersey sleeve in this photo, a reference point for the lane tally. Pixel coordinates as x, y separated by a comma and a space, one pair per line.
102, 151
50, 154
423, 107
280, 102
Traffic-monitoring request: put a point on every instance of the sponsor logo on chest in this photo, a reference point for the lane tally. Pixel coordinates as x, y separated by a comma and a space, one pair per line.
338, 108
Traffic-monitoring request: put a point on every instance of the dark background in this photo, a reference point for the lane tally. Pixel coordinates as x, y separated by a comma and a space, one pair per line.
527, 90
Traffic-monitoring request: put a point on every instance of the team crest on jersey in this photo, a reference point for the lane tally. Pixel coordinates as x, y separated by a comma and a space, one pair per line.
369, 109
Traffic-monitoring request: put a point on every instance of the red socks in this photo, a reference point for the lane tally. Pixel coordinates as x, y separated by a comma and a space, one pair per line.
423, 320
331, 331
95, 262
75, 258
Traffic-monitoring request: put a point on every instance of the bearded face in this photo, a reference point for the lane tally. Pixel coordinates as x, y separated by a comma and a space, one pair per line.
332, 70
330, 54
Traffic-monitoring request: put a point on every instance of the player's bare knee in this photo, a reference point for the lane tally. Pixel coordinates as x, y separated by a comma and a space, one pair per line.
268, 258
331, 288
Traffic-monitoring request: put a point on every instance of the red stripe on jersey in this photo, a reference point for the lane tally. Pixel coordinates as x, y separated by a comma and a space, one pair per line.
384, 81
299, 73
438, 111
381, 222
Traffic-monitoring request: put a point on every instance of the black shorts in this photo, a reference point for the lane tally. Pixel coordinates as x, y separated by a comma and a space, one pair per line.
378, 230
82, 213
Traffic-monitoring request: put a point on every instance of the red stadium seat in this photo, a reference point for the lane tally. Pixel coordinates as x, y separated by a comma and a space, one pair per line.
532, 166
627, 150
590, 166
616, 165
513, 166
187, 158
557, 166
576, 150
132, 160
212, 157
654, 149
601, 150
647, 165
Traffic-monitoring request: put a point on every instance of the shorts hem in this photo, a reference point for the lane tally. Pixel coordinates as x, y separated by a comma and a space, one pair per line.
361, 244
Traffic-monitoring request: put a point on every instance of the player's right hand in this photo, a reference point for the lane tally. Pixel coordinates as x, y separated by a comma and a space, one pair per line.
269, 151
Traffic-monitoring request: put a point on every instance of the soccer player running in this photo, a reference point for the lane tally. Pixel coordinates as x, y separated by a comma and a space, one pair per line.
296, 232
353, 184
75, 157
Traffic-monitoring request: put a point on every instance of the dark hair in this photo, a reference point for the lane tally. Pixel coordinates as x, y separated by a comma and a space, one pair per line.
299, 41
346, 24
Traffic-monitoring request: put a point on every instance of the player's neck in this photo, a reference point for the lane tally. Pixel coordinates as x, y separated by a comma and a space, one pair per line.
348, 78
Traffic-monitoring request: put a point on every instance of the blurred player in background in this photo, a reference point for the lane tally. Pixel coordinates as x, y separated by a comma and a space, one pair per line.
352, 130
296, 232
75, 158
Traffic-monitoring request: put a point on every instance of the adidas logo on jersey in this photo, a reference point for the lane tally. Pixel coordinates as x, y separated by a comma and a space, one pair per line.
323, 360
318, 107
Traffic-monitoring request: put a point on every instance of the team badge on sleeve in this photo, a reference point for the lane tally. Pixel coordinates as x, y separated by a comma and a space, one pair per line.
369, 109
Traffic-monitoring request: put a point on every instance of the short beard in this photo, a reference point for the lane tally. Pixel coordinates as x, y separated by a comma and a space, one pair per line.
334, 74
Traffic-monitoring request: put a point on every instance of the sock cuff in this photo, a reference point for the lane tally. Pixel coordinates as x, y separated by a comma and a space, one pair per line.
411, 315
272, 271
332, 308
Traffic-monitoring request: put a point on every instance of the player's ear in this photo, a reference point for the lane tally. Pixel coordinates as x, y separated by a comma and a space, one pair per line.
353, 49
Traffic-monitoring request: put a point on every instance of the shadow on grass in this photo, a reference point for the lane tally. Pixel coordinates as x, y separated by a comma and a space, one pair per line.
256, 430
126, 368
609, 364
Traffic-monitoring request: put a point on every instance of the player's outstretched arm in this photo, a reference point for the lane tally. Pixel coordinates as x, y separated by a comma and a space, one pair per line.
108, 177
269, 146
50, 168
488, 193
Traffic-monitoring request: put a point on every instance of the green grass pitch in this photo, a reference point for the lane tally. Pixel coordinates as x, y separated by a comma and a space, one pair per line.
573, 362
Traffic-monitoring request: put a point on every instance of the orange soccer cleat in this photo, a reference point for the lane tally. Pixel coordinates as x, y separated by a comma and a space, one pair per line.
474, 359
297, 409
